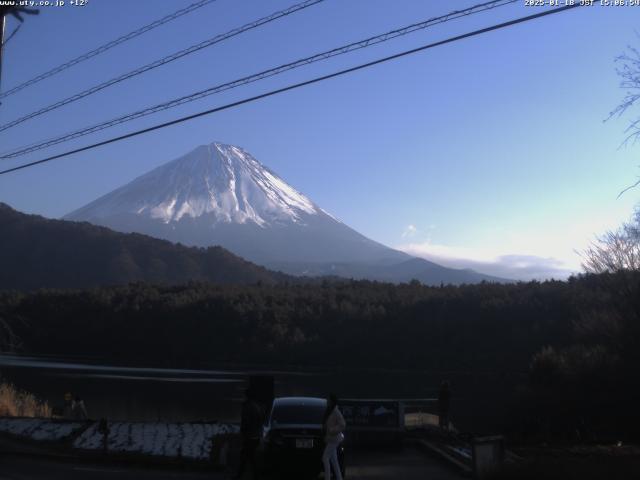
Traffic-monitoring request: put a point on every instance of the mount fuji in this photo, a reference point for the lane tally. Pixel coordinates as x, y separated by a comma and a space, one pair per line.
219, 194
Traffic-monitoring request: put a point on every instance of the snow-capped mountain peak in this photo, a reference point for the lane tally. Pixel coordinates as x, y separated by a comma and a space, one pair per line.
219, 194
222, 181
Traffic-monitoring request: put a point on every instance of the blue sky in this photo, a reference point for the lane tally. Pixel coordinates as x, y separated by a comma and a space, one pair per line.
488, 153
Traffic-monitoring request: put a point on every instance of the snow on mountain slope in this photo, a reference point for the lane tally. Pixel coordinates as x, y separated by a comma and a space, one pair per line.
217, 179
219, 194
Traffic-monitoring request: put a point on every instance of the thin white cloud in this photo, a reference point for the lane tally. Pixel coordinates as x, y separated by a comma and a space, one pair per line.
409, 231
537, 253
518, 266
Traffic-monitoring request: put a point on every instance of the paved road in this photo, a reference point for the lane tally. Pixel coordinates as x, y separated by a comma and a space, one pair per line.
406, 464
29, 468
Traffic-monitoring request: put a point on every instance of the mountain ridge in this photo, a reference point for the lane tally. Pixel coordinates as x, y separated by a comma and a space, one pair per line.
196, 184
219, 194
47, 253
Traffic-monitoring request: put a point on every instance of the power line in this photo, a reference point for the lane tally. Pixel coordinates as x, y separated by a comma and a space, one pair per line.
295, 86
107, 46
258, 76
163, 61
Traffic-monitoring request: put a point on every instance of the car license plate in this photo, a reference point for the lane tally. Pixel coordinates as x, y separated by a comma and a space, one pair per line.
304, 443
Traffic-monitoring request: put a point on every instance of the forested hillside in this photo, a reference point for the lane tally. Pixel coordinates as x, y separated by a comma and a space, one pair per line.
569, 349
40, 253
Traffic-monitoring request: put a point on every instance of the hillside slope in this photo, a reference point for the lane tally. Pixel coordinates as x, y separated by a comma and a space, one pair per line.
219, 194
36, 252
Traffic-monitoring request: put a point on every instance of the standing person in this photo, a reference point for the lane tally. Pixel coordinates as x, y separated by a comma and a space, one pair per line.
78, 410
334, 426
444, 399
251, 431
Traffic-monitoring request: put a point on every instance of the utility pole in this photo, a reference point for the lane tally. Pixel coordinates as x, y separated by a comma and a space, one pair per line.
2, 27
17, 13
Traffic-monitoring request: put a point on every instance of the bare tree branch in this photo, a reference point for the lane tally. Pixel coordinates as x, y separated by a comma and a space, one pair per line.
615, 251
628, 70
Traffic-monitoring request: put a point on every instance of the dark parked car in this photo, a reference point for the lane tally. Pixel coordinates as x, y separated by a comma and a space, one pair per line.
293, 437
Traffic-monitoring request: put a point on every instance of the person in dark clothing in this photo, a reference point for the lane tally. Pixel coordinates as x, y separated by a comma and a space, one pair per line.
444, 398
78, 409
251, 430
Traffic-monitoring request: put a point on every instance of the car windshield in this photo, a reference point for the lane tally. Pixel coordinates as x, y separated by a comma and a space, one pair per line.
298, 414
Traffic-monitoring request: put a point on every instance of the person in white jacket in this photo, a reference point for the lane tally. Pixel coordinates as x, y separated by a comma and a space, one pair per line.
334, 426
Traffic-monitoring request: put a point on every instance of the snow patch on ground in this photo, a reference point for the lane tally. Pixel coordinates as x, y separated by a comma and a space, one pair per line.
39, 429
186, 440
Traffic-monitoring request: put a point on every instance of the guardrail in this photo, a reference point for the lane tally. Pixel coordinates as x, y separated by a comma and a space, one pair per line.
385, 420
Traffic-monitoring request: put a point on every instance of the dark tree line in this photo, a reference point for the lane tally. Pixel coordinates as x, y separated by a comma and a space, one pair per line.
565, 352
485, 326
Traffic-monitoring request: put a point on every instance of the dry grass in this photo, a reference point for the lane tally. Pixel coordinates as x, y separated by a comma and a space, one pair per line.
18, 403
